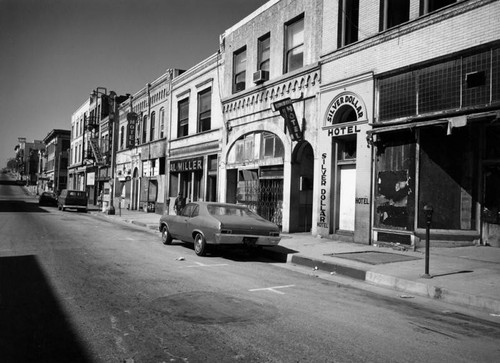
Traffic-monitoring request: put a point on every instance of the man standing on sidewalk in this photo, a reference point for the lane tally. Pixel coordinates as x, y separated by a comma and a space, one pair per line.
180, 203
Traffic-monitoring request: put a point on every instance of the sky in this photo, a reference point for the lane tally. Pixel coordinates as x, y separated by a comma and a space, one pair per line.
53, 53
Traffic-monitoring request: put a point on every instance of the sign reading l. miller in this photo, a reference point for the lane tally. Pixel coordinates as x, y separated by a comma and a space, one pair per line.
186, 165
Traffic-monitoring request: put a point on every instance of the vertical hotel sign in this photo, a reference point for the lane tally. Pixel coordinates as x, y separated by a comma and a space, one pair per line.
131, 124
285, 108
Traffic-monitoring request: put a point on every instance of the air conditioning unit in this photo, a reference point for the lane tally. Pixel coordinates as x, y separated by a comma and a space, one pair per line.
260, 76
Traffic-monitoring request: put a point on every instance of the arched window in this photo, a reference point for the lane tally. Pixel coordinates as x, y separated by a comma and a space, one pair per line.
152, 127
246, 148
345, 114
162, 123
144, 129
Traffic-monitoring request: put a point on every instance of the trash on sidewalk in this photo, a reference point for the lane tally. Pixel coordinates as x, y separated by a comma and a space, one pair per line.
180, 259
406, 296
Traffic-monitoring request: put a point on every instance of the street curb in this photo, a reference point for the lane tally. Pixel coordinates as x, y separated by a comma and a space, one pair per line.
355, 273
417, 288
434, 292
150, 226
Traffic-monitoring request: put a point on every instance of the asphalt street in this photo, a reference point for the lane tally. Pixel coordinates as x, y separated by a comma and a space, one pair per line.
77, 288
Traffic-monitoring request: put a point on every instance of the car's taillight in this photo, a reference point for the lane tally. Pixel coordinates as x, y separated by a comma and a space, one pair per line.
226, 231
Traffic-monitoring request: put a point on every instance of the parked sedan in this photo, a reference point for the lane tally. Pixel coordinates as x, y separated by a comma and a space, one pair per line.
47, 198
210, 223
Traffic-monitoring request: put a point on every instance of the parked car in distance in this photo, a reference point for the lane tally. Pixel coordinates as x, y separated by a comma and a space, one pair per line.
72, 199
211, 223
47, 199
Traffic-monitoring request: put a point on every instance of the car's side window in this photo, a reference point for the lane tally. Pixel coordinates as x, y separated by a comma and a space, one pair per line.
188, 209
196, 211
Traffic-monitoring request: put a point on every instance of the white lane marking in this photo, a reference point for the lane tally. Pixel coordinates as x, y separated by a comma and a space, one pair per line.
199, 264
273, 289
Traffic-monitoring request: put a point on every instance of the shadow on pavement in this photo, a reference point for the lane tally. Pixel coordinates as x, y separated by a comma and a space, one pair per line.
12, 182
242, 253
33, 326
19, 206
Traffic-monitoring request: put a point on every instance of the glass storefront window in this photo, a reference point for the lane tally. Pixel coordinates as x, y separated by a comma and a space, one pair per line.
448, 169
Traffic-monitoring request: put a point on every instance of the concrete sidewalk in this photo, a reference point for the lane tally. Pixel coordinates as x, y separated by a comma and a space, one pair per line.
465, 276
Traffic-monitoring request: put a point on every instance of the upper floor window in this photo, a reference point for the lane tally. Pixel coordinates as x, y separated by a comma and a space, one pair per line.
183, 117
162, 123
138, 131
152, 127
122, 136
294, 46
264, 49
393, 13
428, 6
144, 129
348, 22
204, 110
239, 69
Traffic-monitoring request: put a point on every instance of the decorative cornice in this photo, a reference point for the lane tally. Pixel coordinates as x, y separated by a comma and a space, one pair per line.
276, 90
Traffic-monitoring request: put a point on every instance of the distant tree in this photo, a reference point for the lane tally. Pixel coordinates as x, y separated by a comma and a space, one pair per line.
12, 164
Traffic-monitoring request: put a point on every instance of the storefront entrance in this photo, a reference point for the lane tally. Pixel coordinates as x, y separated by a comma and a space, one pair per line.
490, 213
491, 206
346, 183
347, 196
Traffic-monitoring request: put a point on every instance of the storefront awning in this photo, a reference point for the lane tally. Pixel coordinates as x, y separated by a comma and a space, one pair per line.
449, 122
407, 125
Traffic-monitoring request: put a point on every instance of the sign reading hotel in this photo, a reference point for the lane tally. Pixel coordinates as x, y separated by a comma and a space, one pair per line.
131, 125
286, 110
344, 103
186, 165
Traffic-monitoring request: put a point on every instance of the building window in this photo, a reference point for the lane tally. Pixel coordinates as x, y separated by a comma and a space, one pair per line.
272, 147
428, 6
122, 136
204, 110
348, 22
264, 53
152, 127
138, 132
144, 129
394, 12
162, 123
239, 69
294, 51
183, 117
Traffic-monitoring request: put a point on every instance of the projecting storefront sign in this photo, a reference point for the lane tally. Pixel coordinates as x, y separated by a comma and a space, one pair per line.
285, 108
131, 125
186, 165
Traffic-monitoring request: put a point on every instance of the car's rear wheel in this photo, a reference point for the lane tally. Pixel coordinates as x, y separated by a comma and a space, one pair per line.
200, 245
166, 237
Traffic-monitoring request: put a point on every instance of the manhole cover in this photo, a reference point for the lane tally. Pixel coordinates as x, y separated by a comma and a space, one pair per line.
205, 307
374, 257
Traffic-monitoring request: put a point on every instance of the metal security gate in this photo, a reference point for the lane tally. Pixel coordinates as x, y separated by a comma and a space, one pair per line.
263, 196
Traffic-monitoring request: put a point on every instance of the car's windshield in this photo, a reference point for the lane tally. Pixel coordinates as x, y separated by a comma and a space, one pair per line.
223, 210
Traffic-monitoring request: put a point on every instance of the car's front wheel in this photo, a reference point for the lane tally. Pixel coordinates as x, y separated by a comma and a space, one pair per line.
200, 245
166, 237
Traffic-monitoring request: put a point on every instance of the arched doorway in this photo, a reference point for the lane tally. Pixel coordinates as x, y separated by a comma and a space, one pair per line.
344, 119
301, 190
255, 174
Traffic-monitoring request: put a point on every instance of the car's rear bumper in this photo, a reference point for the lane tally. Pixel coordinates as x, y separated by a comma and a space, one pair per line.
253, 240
